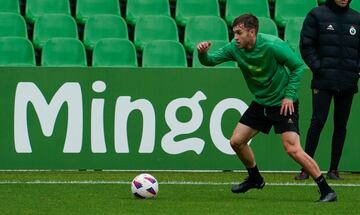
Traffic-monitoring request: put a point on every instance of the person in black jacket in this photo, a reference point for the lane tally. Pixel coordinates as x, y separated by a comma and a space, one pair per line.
330, 46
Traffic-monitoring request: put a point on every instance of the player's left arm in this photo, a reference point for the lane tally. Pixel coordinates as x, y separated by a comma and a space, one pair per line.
286, 56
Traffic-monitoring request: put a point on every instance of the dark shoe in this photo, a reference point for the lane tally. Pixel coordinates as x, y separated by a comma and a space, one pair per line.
302, 176
333, 175
247, 185
329, 197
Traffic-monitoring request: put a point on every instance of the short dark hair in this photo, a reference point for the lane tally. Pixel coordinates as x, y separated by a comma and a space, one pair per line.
248, 20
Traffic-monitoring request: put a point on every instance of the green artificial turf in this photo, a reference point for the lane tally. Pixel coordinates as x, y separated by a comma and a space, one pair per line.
102, 192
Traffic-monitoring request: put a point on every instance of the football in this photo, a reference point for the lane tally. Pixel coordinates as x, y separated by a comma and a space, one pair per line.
145, 186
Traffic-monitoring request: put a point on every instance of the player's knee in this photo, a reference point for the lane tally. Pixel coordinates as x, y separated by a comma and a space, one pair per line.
237, 142
291, 151
233, 143
291, 148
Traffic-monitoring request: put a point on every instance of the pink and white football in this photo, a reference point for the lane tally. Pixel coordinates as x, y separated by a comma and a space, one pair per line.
145, 186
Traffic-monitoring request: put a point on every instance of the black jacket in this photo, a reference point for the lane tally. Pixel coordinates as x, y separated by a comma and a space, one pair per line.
330, 46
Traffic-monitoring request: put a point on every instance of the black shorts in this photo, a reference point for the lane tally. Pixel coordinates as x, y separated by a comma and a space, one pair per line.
262, 118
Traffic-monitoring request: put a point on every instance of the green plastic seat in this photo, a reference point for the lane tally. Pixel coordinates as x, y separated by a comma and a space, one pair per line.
234, 8
267, 26
204, 28
112, 52
288, 9
140, 8
36, 8
186, 9
63, 52
10, 6
12, 25
164, 53
215, 45
292, 32
16, 52
104, 26
51, 26
152, 28
321, 1
88, 8
355, 4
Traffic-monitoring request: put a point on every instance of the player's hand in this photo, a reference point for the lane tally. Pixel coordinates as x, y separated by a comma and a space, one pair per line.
203, 47
287, 106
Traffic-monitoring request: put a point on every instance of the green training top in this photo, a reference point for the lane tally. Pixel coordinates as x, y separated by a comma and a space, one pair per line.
264, 68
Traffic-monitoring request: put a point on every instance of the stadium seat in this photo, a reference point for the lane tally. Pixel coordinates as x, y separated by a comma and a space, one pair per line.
321, 1
36, 8
10, 6
355, 5
267, 26
104, 26
87, 8
215, 45
112, 52
151, 28
140, 8
51, 26
164, 53
63, 52
12, 25
186, 9
16, 51
204, 28
292, 32
234, 8
285, 10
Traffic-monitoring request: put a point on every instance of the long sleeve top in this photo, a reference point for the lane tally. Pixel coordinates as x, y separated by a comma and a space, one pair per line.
271, 69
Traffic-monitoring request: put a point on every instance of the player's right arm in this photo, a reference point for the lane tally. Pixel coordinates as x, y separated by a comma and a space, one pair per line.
213, 58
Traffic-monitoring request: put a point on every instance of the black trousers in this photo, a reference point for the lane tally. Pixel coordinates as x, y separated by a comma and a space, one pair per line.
321, 101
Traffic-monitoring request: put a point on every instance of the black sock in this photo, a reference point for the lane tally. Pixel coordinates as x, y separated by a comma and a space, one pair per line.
323, 185
254, 174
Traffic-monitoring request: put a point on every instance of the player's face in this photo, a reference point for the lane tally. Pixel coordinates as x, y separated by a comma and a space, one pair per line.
342, 3
243, 36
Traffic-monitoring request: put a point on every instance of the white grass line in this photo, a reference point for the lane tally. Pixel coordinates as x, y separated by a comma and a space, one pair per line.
167, 183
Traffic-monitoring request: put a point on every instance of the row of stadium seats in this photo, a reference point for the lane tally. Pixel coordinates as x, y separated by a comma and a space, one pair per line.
148, 28
185, 9
98, 27
111, 52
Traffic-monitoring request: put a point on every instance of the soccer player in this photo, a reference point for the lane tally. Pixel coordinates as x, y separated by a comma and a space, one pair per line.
272, 73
